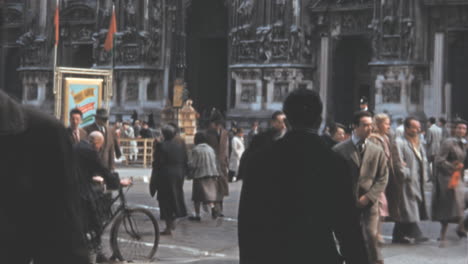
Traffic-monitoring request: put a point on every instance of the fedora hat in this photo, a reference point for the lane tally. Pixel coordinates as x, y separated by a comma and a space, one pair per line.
101, 113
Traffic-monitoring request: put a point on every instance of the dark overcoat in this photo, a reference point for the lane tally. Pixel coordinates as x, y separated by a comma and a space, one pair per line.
83, 135
296, 195
110, 149
220, 144
170, 167
39, 201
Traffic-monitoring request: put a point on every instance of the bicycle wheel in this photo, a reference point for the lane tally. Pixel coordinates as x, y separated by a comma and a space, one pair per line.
135, 235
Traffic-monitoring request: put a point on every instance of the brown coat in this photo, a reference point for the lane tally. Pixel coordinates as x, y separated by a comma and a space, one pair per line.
110, 149
393, 191
220, 144
371, 174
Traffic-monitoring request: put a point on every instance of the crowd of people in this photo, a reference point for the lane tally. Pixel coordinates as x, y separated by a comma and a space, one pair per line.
304, 193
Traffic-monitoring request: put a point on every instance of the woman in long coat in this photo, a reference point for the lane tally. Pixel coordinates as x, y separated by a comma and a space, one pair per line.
448, 191
205, 174
390, 199
170, 166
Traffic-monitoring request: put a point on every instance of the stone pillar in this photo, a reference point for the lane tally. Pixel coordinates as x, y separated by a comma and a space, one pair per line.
324, 76
438, 73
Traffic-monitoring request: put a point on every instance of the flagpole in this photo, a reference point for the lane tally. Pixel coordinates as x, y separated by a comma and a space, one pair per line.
55, 75
113, 51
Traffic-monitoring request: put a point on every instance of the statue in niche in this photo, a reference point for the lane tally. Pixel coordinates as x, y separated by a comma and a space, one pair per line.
296, 42
265, 41
130, 14
390, 20
104, 18
408, 38
245, 11
281, 7
374, 26
156, 15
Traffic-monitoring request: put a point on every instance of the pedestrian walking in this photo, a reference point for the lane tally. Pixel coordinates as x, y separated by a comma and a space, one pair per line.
170, 166
128, 133
448, 194
370, 169
415, 174
389, 201
283, 217
443, 126
433, 139
75, 132
254, 130
218, 138
337, 135
236, 154
203, 169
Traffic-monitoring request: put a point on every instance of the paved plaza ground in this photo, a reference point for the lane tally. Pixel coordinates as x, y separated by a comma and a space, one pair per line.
215, 241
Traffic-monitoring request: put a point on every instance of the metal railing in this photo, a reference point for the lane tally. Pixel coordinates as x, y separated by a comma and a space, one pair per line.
136, 151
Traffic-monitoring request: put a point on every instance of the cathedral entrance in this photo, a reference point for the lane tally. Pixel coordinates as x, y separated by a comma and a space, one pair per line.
207, 54
458, 73
351, 77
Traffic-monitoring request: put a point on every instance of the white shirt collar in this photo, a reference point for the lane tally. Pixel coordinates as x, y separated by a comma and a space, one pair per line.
356, 139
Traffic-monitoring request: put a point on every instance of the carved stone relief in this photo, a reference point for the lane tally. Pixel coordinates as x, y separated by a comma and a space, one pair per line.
248, 93
280, 91
391, 92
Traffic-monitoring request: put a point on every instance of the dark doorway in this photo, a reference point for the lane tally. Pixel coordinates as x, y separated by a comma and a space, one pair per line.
80, 56
351, 77
458, 73
207, 54
12, 83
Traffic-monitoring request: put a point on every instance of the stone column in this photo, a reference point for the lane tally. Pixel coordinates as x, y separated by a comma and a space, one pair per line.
324, 69
438, 74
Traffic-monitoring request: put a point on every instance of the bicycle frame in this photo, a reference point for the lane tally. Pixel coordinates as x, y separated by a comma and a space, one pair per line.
121, 208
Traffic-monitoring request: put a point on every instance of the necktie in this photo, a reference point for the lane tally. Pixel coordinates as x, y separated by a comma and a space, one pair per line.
76, 135
361, 148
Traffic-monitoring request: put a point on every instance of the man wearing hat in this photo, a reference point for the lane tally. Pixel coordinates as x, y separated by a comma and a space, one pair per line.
364, 104
110, 148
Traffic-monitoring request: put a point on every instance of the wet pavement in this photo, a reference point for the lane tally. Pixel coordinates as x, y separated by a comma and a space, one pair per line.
215, 241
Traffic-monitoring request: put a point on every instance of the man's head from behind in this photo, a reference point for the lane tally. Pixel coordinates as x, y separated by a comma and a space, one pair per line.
75, 118
96, 139
303, 108
362, 124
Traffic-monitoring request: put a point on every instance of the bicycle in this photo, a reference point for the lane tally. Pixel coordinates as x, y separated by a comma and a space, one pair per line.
134, 234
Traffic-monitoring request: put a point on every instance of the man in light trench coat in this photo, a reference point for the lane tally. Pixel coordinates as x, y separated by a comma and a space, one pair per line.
415, 175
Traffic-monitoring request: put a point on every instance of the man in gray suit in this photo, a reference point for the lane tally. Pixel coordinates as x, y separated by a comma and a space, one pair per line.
370, 177
433, 140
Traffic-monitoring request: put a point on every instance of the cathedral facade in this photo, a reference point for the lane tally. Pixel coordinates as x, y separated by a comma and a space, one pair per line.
409, 57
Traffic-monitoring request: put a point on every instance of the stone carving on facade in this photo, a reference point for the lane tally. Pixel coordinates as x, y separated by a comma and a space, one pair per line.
35, 52
130, 14
391, 92
245, 11
248, 93
407, 39
264, 38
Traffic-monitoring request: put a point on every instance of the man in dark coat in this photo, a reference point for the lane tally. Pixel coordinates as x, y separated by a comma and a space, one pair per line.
93, 173
267, 138
170, 166
218, 138
297, 194
111, 148
39, 204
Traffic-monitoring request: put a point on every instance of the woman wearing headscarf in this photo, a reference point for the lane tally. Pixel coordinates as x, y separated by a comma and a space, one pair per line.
170, 166
204, 172
448, 190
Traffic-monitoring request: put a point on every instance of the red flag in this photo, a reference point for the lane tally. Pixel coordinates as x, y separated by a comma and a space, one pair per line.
108, 44
56, 24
